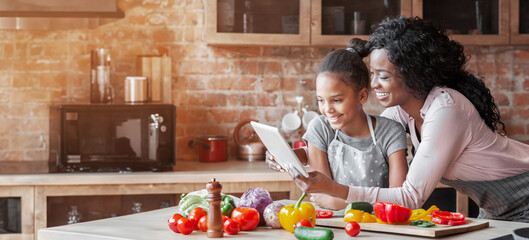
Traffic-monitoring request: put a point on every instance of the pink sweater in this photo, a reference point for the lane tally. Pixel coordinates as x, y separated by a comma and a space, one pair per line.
456, 144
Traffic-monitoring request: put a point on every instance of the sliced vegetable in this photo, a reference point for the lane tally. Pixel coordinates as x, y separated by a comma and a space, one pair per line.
306, 233
291, 214
448, 218
352, 229
391, 213
422, 223
358, 216
422, 214
324, 214
353, 216
271, 214
362, 206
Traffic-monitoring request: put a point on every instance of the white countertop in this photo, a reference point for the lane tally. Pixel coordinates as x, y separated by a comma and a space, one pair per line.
153, 225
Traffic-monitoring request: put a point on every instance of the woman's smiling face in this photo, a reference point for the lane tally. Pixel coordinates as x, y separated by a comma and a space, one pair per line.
340, 103
387, 84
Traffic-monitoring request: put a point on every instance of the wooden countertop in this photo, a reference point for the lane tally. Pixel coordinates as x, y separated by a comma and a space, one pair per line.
184, 172
153, 225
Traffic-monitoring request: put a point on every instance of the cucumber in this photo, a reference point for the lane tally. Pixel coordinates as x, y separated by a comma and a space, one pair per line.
363, 206
307, 233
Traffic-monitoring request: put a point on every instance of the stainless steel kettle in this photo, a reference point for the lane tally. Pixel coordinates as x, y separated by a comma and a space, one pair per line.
249, 146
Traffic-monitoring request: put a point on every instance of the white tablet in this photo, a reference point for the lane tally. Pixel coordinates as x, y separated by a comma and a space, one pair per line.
278, 147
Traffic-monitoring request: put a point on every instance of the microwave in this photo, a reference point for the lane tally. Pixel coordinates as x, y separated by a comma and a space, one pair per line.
112, 137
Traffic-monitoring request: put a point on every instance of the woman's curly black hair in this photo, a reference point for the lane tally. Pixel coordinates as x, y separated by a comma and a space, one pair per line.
425, 57
347, 64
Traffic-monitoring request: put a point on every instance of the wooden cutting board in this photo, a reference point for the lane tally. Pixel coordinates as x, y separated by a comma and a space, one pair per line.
435, 231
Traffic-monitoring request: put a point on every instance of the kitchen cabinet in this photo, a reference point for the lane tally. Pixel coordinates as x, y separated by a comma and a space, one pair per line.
295, 22
16, 213
335, 22
472, 22
254, 22
519, 22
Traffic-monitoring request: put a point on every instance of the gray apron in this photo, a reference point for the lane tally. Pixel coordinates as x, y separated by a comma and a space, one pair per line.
350, 166
503, 199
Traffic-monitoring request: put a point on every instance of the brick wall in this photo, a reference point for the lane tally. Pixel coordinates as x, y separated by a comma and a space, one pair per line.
213, 87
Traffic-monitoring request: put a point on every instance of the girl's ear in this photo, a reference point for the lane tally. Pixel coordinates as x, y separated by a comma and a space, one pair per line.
363, 94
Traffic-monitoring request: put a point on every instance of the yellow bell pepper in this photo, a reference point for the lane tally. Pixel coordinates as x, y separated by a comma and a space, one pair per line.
358, 216
368, 218
422, 214
291, 214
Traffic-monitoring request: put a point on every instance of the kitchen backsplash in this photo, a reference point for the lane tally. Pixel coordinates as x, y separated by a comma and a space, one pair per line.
213, 87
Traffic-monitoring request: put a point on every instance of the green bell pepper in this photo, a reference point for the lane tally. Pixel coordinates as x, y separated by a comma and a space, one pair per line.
227, 205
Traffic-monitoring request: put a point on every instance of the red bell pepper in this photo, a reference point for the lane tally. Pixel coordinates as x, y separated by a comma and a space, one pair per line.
324, 214
391, 213
448, 218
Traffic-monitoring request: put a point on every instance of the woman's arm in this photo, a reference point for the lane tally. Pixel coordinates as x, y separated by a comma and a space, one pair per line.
398, 168
444, 137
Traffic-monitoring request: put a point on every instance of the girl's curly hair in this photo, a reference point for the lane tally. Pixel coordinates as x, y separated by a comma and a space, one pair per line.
426, 57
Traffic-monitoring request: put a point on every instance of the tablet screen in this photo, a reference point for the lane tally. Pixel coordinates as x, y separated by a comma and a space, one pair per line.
278, 147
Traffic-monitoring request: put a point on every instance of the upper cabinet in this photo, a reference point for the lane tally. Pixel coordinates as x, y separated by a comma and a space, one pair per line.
470, 22
335, 22
257, 22
519, 22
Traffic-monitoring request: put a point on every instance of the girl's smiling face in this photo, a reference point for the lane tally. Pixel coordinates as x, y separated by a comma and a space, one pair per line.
340, 103
388, 86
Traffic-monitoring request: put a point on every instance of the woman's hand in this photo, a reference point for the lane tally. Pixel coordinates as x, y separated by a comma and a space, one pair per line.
328, 202
318, 182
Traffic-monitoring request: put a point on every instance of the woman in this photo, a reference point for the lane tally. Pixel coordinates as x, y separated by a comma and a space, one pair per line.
418, 74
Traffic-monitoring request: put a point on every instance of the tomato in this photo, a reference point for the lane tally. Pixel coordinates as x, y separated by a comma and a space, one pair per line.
203, 224
230, 226
185, 226
352, 229
224, 218
303, 223
324, 214
195, 215
173, 222
247, 217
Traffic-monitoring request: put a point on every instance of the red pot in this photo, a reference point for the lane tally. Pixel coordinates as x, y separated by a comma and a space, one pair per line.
211, 148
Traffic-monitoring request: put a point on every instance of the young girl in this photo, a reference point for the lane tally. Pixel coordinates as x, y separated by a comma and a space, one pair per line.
344, 142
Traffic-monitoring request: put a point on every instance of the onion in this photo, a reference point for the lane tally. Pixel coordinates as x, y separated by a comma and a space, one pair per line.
257, 198
271, 214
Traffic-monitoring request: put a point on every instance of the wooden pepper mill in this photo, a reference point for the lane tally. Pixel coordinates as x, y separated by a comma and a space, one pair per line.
214, 214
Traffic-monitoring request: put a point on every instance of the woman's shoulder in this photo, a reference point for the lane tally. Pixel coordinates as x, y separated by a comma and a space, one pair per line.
444, 97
